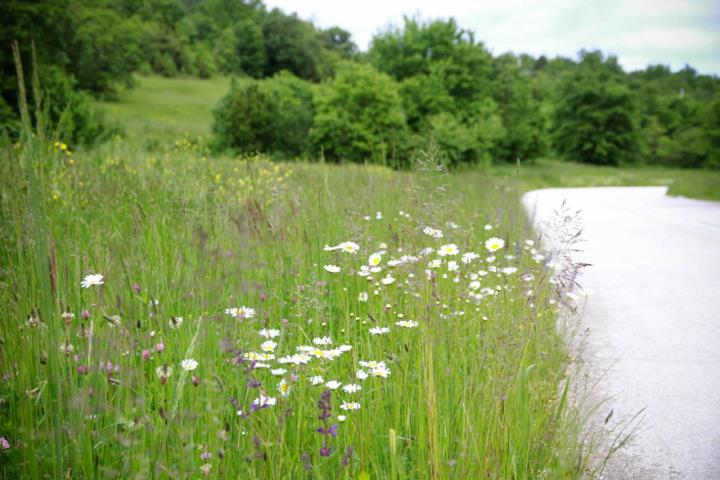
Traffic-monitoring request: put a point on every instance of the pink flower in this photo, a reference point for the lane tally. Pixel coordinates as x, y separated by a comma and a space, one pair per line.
137, 288
146, 354
85, 314
159, 347
4, 444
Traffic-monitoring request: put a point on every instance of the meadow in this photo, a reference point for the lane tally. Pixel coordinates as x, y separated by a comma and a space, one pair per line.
224, 333
168, 313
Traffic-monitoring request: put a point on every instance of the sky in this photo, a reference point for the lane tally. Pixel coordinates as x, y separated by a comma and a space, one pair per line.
638, 32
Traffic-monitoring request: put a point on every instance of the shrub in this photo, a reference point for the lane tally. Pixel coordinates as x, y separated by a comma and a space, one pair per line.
359, 117
273, 116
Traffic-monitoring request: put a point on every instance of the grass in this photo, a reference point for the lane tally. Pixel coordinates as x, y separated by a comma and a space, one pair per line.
474, 389
167, 107
544, 173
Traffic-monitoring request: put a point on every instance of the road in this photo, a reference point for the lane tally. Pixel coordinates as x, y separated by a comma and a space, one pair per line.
653, 323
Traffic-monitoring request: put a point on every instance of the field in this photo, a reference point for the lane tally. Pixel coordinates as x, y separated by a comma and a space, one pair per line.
167, 313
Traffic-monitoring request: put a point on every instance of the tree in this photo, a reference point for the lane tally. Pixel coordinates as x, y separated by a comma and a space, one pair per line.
291, 44
359, 117
596, 123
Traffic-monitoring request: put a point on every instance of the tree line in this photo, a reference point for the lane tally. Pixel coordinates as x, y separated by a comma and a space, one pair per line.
305, 91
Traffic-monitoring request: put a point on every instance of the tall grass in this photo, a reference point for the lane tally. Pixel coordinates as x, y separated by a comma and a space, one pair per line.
474, 390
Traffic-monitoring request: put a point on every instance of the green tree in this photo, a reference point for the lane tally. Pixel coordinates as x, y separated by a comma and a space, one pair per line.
359, 117
291, 44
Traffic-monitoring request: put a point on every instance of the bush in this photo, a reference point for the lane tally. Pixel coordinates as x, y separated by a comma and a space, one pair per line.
595, 123
359, 117
273, 116
72, 113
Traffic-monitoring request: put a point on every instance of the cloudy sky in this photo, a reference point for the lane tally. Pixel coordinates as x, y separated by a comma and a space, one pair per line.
639, 32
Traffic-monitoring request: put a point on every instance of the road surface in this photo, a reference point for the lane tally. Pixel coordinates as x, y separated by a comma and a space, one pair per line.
653, 322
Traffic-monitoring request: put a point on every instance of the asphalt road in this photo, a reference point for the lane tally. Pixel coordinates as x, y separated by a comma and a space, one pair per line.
653, 323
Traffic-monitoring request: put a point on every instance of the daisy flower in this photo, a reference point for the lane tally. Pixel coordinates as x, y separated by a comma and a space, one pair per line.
361, 375
407, 323
92, 280
268, 346
494, 244
278, 371
317, 380
388, 279
283, 388
448, 249
352, 388
375, 259
264, 401
380, 371
350, 406
333, 384
363, 297
269, 333
332, 268
433, 232
240, 313
379, 330
322, 341
189, 364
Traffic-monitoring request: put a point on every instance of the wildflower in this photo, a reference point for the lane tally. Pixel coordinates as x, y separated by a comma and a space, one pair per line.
85, 314
146, 354
283, 388
175, 322
4, 444
189, 364
468, 257
453, 266
509, 270
240, 313
268, 346
206, 468
361, 375
433, 232
347, 456
350, 406
341, 418
332, 268
92, 280
389, 279
316, 380
352, 388
164, 372
269, 333
159, 347
322, 341
494, 244
195, 380
363, 297
474, 285
66, 348
278, 371
435, 263
33, 321
264, 401
448, 249
378, 215
333, 384
407, 323
488, 227
344, 348
379, 330
375, 259
380, 371
67, 317
347, 247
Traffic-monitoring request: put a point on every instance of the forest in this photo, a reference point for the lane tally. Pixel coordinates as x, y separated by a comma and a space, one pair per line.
300, 91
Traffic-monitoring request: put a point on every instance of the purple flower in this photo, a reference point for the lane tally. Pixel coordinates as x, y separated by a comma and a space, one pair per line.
160, 347
324, 406
137, 288
4, 444
85, 314
347, 456
82, 369
145, 354
325, 451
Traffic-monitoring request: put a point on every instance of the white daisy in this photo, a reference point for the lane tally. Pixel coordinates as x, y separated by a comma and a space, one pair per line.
448, 249
332, 268
494, 244
189, 364
92, 280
